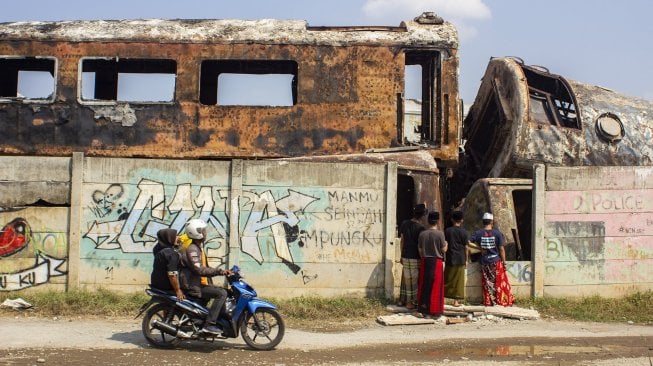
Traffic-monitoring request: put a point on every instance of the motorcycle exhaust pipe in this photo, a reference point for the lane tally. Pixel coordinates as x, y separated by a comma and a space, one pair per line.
168, 329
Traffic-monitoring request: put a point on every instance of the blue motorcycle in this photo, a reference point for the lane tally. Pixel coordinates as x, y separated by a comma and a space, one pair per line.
168, 321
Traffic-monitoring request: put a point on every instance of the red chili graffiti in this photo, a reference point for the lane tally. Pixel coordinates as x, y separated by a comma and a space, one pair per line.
14, 237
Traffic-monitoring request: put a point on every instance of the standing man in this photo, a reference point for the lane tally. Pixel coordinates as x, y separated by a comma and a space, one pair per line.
196, 275
431, 247
496, 288
165, 269
410, 259
456, 259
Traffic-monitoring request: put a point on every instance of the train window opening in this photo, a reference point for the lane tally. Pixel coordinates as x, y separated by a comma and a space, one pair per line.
551, 100
428, 65
412, 131
271, 83
274, 90
128, 80
28, 78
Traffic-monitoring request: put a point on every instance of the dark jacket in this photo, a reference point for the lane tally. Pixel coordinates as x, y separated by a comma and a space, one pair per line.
193, 270
166, 259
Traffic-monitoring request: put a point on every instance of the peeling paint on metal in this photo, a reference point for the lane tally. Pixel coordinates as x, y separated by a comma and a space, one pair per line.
121, 113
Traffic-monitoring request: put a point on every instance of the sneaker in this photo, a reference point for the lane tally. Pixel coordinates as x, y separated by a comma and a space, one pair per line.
212, 328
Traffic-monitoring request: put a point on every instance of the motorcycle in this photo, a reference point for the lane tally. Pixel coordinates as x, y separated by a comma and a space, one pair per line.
168, 321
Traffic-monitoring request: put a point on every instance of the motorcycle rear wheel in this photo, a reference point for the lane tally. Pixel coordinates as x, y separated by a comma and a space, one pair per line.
163, 313
263, 330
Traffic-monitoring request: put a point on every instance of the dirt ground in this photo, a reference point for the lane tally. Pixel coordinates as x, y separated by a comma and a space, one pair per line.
34, 341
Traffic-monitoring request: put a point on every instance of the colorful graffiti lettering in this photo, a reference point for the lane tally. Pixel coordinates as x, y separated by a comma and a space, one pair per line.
15, 237
135, 231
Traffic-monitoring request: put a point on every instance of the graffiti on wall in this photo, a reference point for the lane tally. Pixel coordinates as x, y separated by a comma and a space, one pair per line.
15, 238
278, 215
135, 226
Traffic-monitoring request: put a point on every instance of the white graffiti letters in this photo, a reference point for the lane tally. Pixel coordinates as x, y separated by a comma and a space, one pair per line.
265, 212
149, 214
44, 268
136, 232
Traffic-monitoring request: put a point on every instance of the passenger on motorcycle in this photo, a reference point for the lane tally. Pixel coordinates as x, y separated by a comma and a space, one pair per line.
195, 275
165, 270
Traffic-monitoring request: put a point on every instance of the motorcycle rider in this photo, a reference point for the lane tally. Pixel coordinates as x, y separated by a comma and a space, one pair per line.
165, 269
196, 275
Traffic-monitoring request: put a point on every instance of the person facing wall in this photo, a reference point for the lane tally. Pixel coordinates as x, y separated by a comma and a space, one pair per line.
432, 247
410, 259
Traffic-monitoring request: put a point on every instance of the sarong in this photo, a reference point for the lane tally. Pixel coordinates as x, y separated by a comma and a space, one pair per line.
496, 288
431, 286
409, 281
454, 282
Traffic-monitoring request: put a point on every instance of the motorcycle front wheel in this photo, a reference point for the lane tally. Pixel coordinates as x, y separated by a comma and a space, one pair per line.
164, 314
263, 330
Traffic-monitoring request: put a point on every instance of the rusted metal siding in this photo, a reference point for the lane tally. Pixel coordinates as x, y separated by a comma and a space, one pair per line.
347, 86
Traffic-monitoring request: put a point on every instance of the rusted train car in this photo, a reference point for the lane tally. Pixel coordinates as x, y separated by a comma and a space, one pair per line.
525, 115
341, 92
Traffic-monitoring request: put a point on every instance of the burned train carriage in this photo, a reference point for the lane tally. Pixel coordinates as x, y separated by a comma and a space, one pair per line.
525, 115
165, 88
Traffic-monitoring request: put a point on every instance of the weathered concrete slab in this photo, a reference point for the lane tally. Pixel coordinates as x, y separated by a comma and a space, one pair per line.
403, 319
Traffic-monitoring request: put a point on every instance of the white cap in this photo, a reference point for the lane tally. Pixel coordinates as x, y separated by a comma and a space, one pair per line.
488, 216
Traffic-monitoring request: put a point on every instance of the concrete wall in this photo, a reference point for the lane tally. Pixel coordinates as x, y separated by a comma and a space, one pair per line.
303, 228
593, 231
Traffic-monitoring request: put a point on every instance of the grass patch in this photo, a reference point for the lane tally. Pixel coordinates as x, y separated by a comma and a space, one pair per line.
637, 308
99, 302
332, 314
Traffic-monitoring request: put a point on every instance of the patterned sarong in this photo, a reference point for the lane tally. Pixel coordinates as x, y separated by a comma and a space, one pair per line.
409, 281
431, 286
496, 288
454, 282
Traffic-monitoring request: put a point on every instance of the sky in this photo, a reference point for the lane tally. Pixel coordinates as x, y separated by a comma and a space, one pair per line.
601, 42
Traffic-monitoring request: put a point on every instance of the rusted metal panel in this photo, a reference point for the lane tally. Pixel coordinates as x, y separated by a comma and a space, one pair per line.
524, 115
347, 84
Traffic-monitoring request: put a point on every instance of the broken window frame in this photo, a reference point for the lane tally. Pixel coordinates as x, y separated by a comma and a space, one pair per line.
210, 70
554, 92
53, 70
123, 66
431, 64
